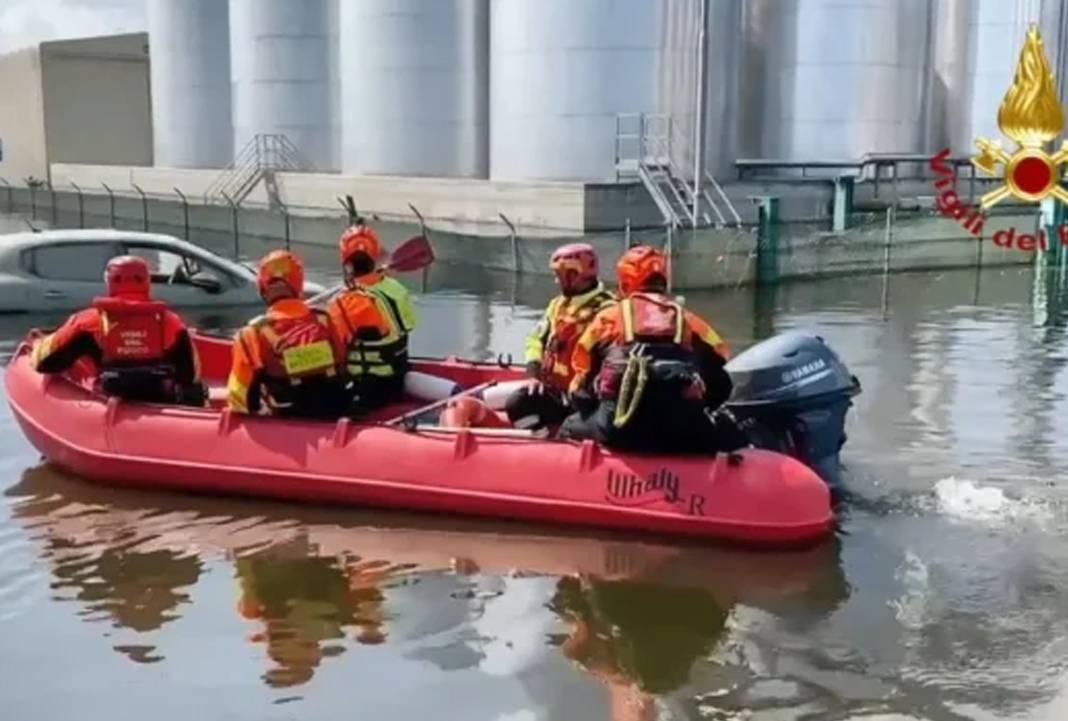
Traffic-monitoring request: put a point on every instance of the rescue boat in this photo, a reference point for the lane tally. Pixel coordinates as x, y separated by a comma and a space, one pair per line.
399, 457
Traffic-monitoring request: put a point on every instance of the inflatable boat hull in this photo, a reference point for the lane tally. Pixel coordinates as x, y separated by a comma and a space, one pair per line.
755, 496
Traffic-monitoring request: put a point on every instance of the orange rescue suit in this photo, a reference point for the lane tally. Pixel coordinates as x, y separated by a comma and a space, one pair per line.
291, 360
120, 338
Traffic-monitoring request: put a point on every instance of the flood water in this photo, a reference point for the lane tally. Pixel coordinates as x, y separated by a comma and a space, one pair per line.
942, 597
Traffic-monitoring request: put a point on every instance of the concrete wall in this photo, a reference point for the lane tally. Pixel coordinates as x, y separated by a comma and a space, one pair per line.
22, 117
97, 100
561, 206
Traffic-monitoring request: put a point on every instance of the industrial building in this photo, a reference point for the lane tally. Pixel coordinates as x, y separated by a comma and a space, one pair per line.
75, 101
522, 91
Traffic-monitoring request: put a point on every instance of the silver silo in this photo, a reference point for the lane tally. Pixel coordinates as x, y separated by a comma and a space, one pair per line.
998, 29
949, 84
189, 47
561, 72
414, 87
284, 74
834, 80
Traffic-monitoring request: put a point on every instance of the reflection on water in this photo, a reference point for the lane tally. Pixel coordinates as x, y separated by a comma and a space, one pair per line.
941, 599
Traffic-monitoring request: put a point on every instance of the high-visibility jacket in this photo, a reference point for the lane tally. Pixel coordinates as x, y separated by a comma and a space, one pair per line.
289, 359
373, 321
552, 342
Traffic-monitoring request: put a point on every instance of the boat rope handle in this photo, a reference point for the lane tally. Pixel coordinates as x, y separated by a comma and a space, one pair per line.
631, 390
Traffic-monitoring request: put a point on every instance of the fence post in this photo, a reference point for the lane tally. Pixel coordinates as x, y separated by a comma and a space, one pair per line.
843, 202
670, 254
10, 201
767, 240
111, 202
52, 200
889, 235
144, 206
33, 198
285, 220
422, 231
233, 215
515, 245
81, 204
185, 211
626, 235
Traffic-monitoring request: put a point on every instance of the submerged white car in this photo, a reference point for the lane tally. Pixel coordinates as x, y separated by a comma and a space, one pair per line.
64, 270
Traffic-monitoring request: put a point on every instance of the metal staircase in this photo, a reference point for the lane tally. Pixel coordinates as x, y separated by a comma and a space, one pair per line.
644, 145
261, 157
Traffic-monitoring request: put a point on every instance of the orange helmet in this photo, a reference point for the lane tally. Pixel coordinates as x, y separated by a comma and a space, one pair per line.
360, 239
282, 270
638, 266
575, 266
127, 276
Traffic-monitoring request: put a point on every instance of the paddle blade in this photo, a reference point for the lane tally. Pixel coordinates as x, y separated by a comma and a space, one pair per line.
413, 254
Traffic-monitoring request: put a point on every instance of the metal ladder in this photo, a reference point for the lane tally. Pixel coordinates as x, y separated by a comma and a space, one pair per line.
644, 144
261, 156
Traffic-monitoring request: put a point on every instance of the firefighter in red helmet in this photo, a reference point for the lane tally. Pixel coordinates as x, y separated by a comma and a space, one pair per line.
140, 348
550, 345
287, 362
648, 373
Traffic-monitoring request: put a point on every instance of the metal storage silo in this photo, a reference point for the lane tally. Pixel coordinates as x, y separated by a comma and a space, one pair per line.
688, 86
948, 90
189, 46
835, 80
561, 72
998, 29
414, 87
284, 74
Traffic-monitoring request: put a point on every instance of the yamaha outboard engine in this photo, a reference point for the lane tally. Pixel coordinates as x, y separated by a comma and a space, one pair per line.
791, 395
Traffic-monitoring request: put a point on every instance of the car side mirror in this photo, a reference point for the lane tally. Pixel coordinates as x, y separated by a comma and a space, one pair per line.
207, 284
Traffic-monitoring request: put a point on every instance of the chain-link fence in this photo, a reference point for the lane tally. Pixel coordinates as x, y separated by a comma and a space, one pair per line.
875, 241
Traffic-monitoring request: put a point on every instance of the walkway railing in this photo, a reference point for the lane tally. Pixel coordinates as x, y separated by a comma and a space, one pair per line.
262, 154
646, 147
869, 168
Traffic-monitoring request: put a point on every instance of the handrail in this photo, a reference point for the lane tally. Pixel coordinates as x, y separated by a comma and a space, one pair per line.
263, 152
876, 160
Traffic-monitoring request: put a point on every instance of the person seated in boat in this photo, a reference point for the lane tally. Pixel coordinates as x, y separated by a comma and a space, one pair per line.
373, 317
287, 362
551, 343
648, 372
141, 350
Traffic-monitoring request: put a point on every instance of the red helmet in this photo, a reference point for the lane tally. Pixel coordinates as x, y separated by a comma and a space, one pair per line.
638, 266
360, 239
281, 274
575, 266
127, 276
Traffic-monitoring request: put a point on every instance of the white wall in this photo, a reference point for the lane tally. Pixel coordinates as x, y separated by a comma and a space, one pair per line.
96, 100
22, 117
545, 204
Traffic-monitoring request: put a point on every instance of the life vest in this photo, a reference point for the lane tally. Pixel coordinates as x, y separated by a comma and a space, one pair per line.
131, 332
567, 321
294, 352
653, 352
133, 348
381, 357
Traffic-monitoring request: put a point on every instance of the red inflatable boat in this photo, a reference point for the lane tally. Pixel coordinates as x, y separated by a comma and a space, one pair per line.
755, 496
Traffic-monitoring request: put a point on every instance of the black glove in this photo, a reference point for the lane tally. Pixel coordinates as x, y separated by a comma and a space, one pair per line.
728, 434
583, 402
534, 369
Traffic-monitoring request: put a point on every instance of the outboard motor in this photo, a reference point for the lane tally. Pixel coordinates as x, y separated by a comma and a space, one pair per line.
791, 395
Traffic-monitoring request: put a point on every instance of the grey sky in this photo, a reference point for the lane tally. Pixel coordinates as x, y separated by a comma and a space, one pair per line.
27, 22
